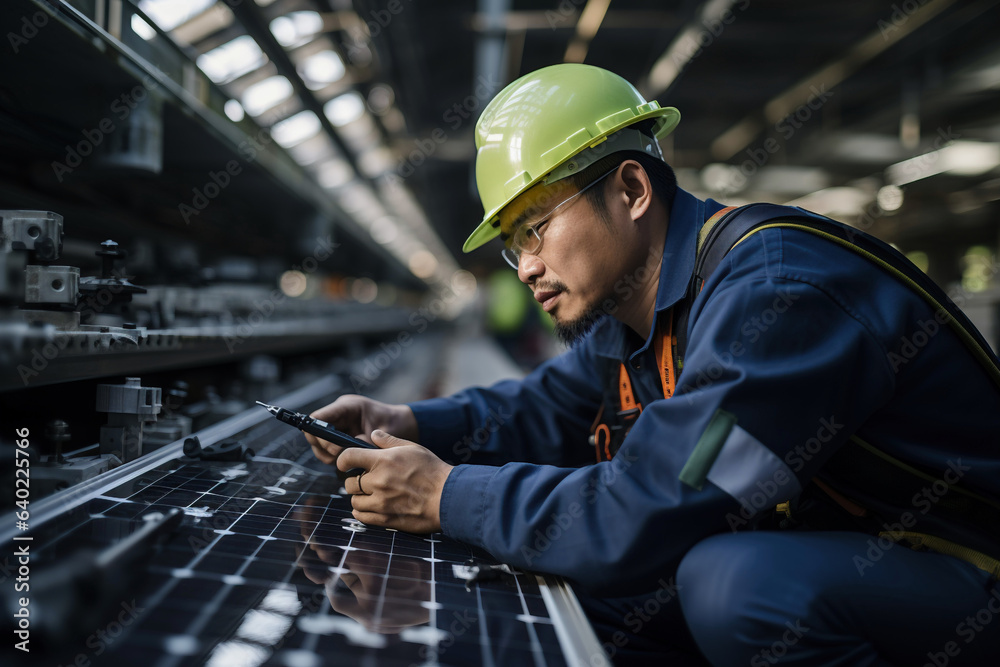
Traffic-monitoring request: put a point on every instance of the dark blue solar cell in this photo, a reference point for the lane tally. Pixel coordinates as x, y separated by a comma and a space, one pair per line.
269, 567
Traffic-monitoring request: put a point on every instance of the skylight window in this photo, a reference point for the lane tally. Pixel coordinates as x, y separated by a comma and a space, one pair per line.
232, 59
266, 94
295, 129
344, 109
296, 28
234, 110
322, 68
168, 14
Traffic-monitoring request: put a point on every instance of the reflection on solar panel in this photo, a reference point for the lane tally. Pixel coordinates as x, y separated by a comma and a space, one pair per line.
268, 567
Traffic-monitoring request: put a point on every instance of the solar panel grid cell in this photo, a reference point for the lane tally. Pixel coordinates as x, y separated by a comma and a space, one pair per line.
270, 568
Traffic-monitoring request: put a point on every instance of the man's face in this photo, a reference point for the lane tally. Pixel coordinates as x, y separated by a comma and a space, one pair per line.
573, 272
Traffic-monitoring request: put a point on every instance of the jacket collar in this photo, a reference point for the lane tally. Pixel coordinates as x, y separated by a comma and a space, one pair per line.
687, 214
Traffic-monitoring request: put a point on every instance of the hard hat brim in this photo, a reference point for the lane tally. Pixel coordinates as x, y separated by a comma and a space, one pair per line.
489, 228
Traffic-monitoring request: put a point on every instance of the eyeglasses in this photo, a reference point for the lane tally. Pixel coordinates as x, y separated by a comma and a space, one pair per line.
527, 238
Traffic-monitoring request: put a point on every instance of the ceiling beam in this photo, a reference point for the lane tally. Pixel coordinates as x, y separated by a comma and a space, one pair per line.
740, 135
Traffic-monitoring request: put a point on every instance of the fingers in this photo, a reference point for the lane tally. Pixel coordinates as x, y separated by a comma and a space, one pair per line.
321, 452
356, 457
345, 414
341, 412
372, 518
385, 440
355, 486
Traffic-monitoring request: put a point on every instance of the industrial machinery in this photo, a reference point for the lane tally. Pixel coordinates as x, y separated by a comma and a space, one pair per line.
157, 514
163, 268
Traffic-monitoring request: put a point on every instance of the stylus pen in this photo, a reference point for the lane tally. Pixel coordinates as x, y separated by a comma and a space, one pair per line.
315, 427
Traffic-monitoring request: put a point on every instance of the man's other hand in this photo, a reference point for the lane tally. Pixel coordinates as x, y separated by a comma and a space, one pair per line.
359, 416
400, 487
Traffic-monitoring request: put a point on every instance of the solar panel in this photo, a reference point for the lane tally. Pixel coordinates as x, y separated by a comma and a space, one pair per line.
269, 567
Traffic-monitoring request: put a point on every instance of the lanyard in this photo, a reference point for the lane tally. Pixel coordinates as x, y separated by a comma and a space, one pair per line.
664, 347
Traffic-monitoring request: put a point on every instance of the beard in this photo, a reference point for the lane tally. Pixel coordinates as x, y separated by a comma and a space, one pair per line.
571, 332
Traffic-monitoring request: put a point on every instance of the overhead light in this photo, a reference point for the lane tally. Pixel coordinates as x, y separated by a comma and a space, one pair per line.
364, 290
168, 14
835, 202
344, 109
863, 147
786, 180
376, 161
724, 178
322, 68
962, 158
423, 264
361, 202
266, 94
313, 150
464, 283
234, 110
971, 158
295, 129
212, 21
141, 28
293, 283
334, 173
889, 198
296, 28
232, 59
384, 230
380, 98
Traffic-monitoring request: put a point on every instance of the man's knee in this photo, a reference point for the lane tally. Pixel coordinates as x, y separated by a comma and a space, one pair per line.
725, 583
718, 576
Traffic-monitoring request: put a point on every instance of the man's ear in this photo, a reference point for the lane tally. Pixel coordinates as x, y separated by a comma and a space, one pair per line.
636, 190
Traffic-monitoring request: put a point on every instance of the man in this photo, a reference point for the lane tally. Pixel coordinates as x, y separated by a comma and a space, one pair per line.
795, 353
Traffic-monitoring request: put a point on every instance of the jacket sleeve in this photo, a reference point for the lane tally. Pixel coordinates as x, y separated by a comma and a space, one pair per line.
544, 418
777, 375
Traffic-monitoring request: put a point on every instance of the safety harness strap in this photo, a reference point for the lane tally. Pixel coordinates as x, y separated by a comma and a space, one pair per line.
968, 516
965, 515
607, 437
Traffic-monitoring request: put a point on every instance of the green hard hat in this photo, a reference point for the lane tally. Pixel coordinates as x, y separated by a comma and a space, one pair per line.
543, 120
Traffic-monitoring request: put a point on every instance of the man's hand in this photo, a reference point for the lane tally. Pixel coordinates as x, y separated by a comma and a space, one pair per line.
359, 416
401, 486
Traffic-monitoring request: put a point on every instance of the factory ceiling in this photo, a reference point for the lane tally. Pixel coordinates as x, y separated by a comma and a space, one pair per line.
882, 114
808, 102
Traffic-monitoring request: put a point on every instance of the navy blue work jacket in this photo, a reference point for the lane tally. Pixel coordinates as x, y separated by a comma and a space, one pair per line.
794, 344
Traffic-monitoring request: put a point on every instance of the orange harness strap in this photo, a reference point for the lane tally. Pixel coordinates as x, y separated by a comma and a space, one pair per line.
625, 394
664, 347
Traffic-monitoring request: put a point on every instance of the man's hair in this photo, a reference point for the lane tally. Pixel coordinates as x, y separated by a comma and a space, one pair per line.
661, 175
